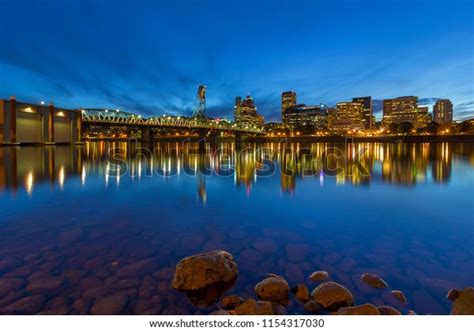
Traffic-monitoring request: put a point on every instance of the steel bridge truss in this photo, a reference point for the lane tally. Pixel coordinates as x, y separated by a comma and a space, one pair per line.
116, 117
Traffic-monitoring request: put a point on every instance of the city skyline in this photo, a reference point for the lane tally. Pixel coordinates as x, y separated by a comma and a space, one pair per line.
136, 65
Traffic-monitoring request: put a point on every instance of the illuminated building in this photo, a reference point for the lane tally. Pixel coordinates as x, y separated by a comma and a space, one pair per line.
288, 101
443, 111
347, 116
367, 105
404, 109
246, 113
306, 117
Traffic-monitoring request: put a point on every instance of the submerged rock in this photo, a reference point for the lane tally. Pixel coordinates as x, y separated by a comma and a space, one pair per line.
365, 309
272, 289
374, 280
312, 307
301, 292
27, 306
110, 305
319, 276
400, 296
8, 285
231, 301
453, 294
464, 304
48, 285
199, 271
332, 296
387, 310
252, 307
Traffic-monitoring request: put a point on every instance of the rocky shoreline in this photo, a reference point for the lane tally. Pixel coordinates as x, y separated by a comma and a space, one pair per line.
205, 277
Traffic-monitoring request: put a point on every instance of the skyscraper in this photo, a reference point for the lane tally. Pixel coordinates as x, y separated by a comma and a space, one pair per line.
347, 116
246, 113
443, 111
288, 101
403, 109
367, 105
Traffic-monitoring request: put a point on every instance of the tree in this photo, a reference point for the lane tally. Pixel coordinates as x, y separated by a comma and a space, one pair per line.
432, 128
405, 127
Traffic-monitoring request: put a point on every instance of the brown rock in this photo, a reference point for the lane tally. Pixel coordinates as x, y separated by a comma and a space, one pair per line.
332, 296
319, 276
464, 304
411, 312
220, 312
10, 284
374, 280
26, 306
453, 294
199, 271
48, 285
252, 307
138, 269
231, 301
279, 309
110, 305
312, 307
301, 292
272, 289
365, 309
82, 305
126, 283
387, 310
400, 296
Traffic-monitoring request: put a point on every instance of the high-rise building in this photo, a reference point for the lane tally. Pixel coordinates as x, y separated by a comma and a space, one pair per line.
404, 109
443, 111
288, 101
245, 113
367, 105
306, 117
347, 116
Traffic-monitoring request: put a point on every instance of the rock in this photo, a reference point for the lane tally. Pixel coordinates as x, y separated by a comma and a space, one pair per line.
279, 309
73, 276
292, 271
26, 306
48, 285
312, 307
387, 310
110, 305
199, 271
453, 294
296, 252
301, 292
374, 280
124, 284
9, 263
332, 296
272, 289
23, 271
400, 296
464, 304
82, 305
220, 312
231, 301
319, 276
265, 245
137, 269
10, 284
252, 307
411, 312
365, 309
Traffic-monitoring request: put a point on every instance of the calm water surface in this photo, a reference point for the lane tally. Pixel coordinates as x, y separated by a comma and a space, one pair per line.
403, 211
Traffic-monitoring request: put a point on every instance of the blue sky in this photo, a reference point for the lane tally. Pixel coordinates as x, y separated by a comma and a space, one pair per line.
150, 56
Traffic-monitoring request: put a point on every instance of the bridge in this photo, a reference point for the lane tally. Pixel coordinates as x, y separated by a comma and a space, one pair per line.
117, 117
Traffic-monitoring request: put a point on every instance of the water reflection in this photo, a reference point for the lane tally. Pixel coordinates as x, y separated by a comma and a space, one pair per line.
354, 164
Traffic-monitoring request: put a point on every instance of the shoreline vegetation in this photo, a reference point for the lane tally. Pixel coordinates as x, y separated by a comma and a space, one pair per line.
205, 277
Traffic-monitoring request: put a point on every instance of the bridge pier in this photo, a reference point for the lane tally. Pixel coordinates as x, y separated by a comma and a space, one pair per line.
146, 135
